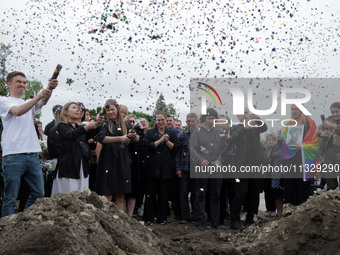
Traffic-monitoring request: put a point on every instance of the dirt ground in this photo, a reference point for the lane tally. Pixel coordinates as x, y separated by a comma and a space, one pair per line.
311, 228
84, 223
211, 241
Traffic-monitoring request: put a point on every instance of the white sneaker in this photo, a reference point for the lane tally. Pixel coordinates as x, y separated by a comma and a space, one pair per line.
140, 211
255, 218
273, 214
267, 213
244, 216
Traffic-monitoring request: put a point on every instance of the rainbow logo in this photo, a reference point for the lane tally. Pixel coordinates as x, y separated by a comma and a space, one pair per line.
209, 93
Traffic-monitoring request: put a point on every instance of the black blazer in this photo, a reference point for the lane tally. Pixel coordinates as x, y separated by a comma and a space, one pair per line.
242, 144
68, 165
160, 162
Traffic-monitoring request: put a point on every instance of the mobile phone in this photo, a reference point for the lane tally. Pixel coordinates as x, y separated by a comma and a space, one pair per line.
56, 72
323, 117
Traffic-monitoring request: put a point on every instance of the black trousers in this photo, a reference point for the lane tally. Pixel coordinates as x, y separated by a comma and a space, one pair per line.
175, 197
215, 192
246, 191
156, 188
184, 190
269, 195
227, 190
331, 158
193, 200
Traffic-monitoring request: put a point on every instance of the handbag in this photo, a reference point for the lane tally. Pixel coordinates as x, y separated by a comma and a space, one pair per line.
85, 150
336, 140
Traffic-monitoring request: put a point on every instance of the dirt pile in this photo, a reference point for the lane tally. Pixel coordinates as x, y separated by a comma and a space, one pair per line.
311, 228
79, 223
84, 223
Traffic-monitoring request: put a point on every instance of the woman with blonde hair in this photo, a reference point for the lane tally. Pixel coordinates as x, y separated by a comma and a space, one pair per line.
113, 177
72, 169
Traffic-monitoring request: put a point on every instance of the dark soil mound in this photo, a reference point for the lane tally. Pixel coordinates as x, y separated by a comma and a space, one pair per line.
311, 228
79, 223
84, 223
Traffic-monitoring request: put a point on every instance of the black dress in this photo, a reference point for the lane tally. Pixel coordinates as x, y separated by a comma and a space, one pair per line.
113, 172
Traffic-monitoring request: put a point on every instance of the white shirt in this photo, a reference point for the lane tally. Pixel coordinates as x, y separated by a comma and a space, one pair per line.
19, 134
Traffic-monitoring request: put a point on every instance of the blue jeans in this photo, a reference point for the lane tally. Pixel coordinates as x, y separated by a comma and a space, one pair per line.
14, 167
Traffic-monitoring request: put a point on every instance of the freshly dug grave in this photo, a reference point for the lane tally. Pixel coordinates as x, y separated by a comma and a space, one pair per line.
79, 223
311, 228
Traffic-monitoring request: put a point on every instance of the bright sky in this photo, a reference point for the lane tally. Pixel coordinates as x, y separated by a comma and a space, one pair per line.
157, 46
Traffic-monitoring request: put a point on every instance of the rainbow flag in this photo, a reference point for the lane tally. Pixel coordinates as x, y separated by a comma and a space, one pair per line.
309, 150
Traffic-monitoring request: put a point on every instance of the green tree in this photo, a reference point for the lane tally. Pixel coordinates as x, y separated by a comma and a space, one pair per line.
146, 116
161, 106
4, 53
32, 89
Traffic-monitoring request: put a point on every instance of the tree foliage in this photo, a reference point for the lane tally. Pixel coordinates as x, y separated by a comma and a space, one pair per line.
4, 53
146, 116
161, 106
32, 87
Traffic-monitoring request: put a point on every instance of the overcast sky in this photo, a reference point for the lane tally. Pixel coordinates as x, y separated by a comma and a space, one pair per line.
135, 50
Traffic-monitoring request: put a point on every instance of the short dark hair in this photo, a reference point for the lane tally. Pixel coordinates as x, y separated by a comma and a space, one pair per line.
192, 115
335, 105
210, 112
11, 75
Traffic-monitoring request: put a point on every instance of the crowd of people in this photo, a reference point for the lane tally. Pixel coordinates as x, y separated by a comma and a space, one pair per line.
146, 170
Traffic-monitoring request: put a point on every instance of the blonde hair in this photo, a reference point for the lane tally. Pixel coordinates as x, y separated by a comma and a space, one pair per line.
63, 117
301, 121
120, 121
129, 116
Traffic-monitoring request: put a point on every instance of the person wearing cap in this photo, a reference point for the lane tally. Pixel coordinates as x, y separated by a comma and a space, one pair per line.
206, 146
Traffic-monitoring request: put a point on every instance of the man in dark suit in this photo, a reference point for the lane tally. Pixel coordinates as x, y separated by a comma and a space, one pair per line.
248, 153
206, 147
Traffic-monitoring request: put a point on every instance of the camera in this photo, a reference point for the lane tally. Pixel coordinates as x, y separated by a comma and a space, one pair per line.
137, 129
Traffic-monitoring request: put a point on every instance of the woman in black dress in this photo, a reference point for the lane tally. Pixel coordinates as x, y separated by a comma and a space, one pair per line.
113, 178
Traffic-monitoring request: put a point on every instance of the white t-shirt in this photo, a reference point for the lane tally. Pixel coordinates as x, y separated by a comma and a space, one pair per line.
19, 134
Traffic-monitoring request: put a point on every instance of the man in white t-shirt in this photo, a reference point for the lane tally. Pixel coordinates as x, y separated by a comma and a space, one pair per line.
19, 141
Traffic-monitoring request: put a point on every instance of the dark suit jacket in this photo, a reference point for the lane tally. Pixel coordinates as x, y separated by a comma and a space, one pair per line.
160, 162
242, 145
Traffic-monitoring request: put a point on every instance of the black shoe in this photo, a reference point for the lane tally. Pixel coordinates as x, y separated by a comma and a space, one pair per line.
235, 225
216, 225
201, 227
248, 223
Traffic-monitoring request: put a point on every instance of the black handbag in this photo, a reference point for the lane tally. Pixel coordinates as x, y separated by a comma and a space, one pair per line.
85, 150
